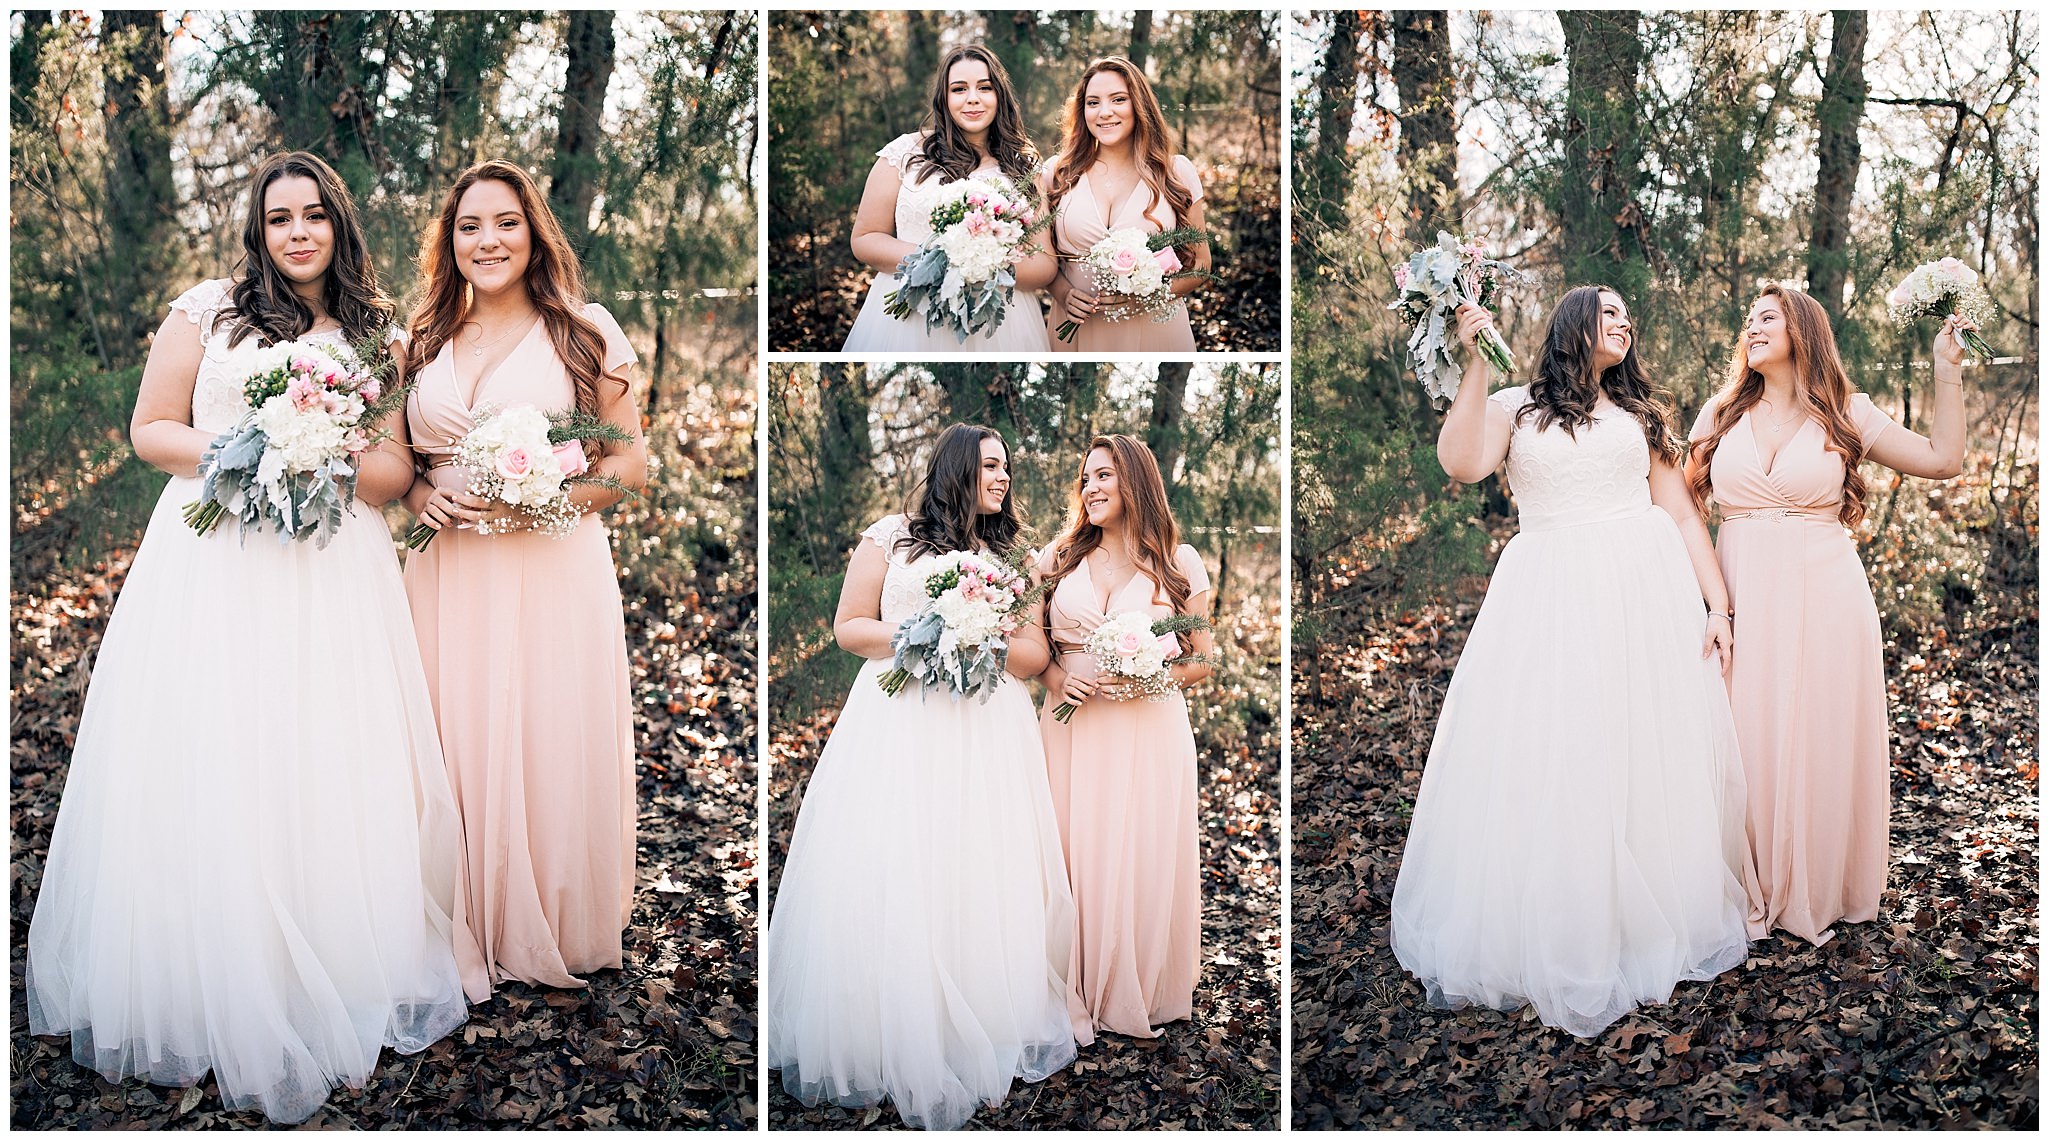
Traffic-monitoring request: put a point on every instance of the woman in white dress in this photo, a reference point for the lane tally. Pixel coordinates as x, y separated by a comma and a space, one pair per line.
253, 865
1578, 841
917, 950
972, 125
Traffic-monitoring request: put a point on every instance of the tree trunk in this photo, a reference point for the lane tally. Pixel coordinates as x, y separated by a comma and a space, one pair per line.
1601, 221
846, 456
1141, 38
1163, 430
1011, 38
1328, 174
141, 200
1836, 121
1429, 137
575, 185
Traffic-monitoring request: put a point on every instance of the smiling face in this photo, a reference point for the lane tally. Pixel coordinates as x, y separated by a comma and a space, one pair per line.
1615, 335
298, 231
1102, 500
994, 484
970, 95
1766, 340
1107, 109
493, 242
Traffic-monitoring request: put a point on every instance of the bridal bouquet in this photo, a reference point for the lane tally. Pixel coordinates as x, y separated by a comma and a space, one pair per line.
525, 458
963, 275
1136, 272
958, 639
291, 460
1432, 284
1139, 651
1938, 289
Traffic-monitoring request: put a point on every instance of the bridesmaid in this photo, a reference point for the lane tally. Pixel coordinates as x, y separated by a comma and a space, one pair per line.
523, 634
1777, 448
1114, 172
1123, 771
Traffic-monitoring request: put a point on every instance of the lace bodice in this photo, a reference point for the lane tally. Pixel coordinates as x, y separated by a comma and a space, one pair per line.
914, 199
903, 588
217, 392
1562, 480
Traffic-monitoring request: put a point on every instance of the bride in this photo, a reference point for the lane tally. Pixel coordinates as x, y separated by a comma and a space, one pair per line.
973, 125
917, 950
1578, 842
253, 864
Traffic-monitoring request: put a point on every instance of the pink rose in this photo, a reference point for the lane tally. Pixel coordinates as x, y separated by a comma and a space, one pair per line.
514, 463
1169, 263
1125, 261
1168, 644
371, 390
1024, 216
303, 393
571, 458
1129, 643
1898, 296
1956, 270
977, 200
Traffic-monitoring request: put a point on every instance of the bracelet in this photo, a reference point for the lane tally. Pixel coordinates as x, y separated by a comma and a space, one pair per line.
1730, 617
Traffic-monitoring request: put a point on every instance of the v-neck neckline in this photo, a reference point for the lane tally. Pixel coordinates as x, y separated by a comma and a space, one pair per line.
1771, 466
1107, 209
1105, 601
483, 378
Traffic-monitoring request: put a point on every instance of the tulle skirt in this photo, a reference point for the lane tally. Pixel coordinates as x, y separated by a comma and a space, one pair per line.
918, 946
253, 865
1022, 330
1578, 841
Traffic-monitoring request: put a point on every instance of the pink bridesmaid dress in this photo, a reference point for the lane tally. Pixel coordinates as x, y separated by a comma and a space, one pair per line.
1123, 776
1080, 222
524, 640
1808, 680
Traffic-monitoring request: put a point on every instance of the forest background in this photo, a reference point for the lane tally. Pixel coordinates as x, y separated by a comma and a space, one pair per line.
132, 137
843, 84
1684, 158
847, 442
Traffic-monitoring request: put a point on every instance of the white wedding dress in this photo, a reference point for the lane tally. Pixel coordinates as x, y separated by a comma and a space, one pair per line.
1022, 329
1578, 842
252, 868
918, 946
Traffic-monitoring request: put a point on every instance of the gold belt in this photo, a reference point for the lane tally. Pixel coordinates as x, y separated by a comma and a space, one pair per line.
1780, 513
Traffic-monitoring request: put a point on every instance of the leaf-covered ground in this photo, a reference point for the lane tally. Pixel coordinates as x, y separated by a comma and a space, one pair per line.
1219, 1070
666, 1042
1925, 1018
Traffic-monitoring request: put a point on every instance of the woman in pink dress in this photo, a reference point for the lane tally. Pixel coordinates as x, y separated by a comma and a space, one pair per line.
522, 633
1777, 449
1123, 769
1114, 172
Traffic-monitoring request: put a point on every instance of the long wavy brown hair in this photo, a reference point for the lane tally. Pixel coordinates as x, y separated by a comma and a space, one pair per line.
1566, 387
1147, 518
1824, 383
1078, 147
262, 303
946, 149
554, 282
943, 512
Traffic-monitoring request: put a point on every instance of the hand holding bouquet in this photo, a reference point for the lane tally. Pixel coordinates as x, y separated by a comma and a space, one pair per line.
960, 639
1136, 271
962, 277
529, 460
1432, 284
1942, 289
1140, 652
291, 460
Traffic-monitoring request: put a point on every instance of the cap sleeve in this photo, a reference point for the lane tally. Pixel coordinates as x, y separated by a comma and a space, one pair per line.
618, 350
1511, 400
1870, 419
1192, 569
1705, 422
1185, 174
203, 303
900, 150
884, 533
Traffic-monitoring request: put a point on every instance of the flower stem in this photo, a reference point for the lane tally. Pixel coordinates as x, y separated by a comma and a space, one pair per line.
1064, 711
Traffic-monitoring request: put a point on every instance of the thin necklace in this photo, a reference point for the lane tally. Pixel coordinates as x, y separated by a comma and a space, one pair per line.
483, 344
1790, 416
